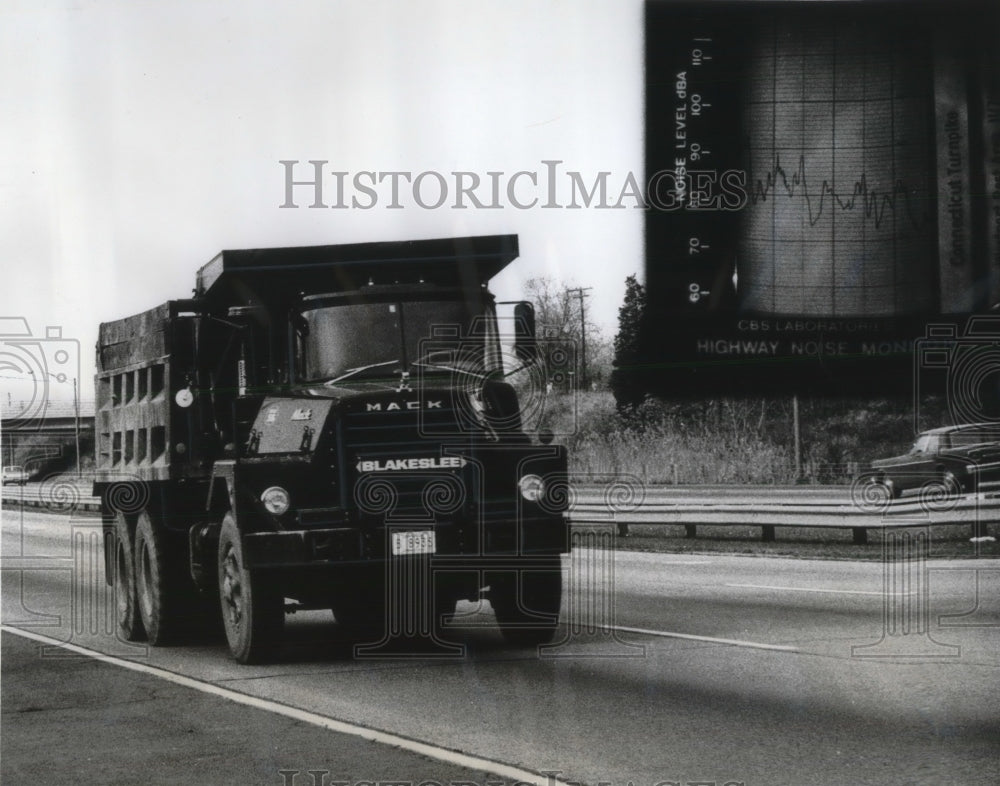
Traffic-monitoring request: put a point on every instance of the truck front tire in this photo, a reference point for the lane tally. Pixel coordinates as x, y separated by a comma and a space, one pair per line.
526, 602
253, 612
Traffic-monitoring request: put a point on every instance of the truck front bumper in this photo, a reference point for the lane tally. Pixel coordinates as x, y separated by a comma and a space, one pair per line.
357, 545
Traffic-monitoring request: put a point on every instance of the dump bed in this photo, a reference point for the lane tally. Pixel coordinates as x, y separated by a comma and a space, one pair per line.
137, 378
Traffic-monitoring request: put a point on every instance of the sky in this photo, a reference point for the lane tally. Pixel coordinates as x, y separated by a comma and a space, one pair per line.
141, 138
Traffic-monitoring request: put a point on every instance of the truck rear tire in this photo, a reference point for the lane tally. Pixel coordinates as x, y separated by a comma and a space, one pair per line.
526, 602
127, 614
253, 611
157, 583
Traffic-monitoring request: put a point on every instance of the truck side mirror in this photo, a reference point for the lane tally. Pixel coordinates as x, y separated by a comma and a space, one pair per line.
525, 345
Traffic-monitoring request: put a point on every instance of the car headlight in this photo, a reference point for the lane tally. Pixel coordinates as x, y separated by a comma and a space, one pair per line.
531, 487
276, 500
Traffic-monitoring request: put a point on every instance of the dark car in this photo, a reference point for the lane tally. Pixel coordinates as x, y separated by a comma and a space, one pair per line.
955, 459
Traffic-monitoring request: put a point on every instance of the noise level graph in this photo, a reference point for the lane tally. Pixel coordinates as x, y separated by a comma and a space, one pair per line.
873, 202
840, 217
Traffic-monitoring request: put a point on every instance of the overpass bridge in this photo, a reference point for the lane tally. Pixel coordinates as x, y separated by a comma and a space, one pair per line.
34, 435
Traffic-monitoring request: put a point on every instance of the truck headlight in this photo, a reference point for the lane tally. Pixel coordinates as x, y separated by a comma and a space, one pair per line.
276, 500
531, 487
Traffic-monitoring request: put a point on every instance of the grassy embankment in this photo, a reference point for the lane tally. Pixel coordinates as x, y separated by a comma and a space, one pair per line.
730, 440
746, 442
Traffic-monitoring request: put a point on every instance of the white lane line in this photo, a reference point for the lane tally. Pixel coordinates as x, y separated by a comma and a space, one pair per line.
805, 589
709, 639
343, 727
682, 562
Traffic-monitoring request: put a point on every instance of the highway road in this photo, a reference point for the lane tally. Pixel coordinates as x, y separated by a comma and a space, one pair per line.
668, 669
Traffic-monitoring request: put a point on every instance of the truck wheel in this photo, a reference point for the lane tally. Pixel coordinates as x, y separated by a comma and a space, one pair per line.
526, 602
156, 584
127, 614
253, 612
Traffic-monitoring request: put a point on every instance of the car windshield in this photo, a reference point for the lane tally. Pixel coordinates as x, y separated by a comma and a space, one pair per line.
381, 339
924, 444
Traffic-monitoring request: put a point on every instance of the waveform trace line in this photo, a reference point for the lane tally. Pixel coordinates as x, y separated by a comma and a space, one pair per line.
874, 201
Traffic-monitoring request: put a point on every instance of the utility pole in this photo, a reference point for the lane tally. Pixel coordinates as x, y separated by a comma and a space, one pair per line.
580, 292
76, 424
796, 428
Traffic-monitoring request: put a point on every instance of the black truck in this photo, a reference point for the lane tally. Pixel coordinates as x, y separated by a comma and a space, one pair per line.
328, 427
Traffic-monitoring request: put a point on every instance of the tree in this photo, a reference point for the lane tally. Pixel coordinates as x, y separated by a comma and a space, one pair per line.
625, 377
561, 322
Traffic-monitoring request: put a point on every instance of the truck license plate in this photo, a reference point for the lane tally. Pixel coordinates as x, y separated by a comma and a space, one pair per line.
417, 542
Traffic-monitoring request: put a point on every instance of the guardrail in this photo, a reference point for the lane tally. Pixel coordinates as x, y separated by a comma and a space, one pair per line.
625, 503
59, 494
858, 508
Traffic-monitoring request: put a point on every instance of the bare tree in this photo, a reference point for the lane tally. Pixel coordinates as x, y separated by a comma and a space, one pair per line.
562, 315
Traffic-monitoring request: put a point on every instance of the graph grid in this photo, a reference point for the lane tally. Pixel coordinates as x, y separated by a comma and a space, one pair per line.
839, 125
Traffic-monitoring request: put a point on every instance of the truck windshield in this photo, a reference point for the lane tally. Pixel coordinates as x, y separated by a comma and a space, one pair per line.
382, 339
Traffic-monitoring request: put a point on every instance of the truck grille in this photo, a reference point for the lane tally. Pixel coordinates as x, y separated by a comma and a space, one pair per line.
366, 429
397, 442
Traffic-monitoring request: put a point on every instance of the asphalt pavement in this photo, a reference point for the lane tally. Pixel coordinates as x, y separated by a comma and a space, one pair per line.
68, 718
668, 669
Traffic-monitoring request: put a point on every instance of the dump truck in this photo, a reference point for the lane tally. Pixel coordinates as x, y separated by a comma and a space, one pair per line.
329, 427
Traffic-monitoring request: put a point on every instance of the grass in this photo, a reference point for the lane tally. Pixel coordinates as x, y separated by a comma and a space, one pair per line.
746, 441
733, 441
